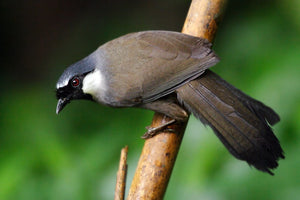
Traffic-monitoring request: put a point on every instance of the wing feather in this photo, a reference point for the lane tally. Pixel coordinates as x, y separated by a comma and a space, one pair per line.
149, 65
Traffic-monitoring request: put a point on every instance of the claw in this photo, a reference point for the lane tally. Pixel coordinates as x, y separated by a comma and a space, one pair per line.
152, 131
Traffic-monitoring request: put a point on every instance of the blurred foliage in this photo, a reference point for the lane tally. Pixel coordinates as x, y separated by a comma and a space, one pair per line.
75, 155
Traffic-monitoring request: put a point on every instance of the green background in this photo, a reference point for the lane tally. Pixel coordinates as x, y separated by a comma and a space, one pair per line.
75, 155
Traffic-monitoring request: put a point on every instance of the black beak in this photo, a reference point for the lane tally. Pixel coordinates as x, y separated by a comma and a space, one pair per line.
61, 104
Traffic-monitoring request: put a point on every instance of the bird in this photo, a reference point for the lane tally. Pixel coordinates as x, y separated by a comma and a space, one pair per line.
168, 72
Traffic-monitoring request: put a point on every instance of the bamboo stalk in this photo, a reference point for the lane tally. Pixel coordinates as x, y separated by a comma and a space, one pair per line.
159, 153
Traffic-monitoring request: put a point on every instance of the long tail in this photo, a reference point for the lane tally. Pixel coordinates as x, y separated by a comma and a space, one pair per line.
240, 122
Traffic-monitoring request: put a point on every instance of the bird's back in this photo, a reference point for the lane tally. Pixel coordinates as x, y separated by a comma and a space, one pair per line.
144, 66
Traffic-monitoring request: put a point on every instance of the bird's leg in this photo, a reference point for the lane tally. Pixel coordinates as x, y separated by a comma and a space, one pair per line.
152, 131
168, 106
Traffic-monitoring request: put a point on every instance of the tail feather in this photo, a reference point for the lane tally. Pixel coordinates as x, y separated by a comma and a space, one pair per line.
261, 111
240, 122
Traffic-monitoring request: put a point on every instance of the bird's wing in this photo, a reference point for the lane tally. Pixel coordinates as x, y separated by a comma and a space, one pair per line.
148, 65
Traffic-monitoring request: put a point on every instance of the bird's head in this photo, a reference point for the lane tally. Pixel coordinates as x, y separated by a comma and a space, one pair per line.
71, 83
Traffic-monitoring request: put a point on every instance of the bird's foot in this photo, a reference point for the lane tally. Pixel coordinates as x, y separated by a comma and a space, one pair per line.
152, 131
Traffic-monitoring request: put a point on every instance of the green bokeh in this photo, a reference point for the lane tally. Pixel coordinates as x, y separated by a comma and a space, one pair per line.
75, 155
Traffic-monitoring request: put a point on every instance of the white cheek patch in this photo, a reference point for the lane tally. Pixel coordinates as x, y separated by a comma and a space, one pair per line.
94, 83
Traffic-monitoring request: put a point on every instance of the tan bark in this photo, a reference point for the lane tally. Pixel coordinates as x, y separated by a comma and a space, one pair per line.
159, 153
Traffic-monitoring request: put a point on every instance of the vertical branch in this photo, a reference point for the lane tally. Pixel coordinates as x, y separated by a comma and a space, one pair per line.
203, 17
121, 175
159, 153
156, 162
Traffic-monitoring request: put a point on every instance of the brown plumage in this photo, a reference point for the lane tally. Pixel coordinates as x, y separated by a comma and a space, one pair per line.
164, 71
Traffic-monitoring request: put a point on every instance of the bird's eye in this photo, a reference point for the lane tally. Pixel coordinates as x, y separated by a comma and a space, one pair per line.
75, 82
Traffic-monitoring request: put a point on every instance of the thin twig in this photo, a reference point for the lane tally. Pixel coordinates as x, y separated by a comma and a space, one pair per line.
121, 175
